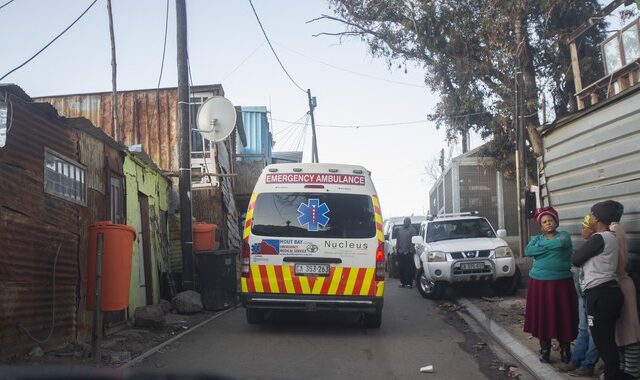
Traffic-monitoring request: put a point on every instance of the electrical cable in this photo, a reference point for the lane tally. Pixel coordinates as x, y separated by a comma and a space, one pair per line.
273, 50
7, 3
384, 124
350, 71
243, 61
53, 306
164, 45
52, 41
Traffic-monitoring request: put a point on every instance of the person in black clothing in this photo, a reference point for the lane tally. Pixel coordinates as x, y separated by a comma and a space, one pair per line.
598, 258
405, 250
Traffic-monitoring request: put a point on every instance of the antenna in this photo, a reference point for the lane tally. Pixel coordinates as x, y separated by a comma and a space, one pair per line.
216, 118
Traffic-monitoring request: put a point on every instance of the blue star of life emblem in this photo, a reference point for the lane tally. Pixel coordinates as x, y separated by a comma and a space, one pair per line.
313, 214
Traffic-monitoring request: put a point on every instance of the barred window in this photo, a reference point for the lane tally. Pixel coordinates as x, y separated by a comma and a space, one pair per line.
64, 178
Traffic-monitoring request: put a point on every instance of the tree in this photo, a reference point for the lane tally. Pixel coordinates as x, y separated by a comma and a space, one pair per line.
471, 50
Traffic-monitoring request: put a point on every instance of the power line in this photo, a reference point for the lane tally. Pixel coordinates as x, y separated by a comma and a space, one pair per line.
358, 126
243, 61
350, 71
7, 3
164, 45
52, 41
272, 49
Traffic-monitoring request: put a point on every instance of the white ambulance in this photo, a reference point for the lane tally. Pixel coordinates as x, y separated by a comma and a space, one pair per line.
313, 241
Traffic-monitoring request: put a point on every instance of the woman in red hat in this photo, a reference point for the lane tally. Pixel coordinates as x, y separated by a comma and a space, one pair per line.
552, 304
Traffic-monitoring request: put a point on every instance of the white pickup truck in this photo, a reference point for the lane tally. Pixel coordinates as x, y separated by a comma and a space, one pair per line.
456, 248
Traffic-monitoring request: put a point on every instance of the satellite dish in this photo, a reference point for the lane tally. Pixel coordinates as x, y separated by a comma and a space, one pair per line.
216, 118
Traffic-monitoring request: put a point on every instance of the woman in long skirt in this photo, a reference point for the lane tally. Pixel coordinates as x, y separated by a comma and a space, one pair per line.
552, 304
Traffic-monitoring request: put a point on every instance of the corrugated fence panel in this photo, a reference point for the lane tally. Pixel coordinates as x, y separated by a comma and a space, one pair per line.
33, 225
593, 158
146, 117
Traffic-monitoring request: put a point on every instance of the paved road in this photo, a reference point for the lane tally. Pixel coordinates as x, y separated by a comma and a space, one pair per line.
415, 332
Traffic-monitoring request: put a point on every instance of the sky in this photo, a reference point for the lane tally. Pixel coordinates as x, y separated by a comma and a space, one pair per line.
226, 46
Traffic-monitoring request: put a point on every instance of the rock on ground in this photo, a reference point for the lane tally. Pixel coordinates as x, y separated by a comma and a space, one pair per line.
166, 306
149, 316
187, 302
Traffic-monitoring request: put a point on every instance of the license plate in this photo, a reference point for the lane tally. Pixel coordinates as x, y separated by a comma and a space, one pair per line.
312, 269
472, 266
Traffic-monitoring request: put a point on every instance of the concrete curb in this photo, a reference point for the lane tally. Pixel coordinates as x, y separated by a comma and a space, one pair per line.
157, 348
522, 353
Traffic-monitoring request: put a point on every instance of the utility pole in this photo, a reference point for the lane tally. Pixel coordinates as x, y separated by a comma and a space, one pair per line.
114, 96
521, 164
184, 148
314, 142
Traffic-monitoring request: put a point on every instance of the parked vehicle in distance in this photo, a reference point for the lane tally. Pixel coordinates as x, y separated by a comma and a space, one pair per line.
391, 231
462, 247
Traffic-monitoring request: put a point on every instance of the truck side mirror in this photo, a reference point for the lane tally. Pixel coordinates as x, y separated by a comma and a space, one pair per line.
416, 239
502, 234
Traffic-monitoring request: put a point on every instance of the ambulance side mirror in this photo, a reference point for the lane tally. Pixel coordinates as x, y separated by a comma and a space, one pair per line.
416, 239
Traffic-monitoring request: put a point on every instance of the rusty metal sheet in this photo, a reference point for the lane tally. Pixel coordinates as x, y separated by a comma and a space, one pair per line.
147, 117
33, 224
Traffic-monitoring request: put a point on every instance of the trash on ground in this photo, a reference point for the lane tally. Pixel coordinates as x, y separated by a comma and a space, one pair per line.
493, 299
427, 369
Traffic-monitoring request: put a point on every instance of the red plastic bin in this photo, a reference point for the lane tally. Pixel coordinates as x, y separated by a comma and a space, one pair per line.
116, 265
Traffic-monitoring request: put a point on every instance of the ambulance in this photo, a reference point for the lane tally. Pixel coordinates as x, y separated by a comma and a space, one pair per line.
313, 241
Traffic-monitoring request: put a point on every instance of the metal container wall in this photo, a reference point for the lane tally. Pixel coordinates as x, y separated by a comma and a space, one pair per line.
593, 156
34, 226
256, 127
147, 117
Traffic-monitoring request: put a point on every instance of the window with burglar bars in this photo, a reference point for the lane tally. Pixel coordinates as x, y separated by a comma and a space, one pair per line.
64, 178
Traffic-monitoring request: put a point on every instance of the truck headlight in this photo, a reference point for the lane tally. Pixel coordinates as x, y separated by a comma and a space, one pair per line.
436, 256
503, 252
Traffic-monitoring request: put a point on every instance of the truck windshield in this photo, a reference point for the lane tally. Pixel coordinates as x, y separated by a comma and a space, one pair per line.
317, 215
459, 229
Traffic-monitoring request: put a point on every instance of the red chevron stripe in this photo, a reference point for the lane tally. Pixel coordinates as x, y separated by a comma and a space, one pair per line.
250, 284
312, 281
343, 281
265, 279
327, 282
280, 279
372, 288
359, 280
296, 281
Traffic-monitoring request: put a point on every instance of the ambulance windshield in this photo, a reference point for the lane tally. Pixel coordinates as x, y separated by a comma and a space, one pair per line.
314, 215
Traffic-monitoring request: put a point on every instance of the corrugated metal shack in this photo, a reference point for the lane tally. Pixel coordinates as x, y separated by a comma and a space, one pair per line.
149, 118
592, 156
54, 183
471, 183
254, 155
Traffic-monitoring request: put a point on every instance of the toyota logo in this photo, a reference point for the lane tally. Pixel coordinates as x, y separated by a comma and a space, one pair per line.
312, 248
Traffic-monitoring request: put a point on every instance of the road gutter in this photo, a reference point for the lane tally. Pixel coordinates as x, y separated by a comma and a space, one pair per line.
522, 353
162, 345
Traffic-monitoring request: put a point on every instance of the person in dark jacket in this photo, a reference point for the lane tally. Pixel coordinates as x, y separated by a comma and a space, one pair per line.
405, 250
552, 303
598, 258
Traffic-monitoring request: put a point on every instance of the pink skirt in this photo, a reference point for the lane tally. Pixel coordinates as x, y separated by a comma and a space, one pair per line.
552, 310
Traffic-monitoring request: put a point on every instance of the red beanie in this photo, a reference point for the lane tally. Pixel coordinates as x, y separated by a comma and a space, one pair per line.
545, 211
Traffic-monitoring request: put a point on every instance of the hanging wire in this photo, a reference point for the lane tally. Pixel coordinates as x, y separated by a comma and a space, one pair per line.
52, 41
53, 306
273, 50
7, 3
164, 45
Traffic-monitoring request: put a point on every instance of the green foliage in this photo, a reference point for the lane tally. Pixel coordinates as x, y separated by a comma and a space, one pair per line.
471, 50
